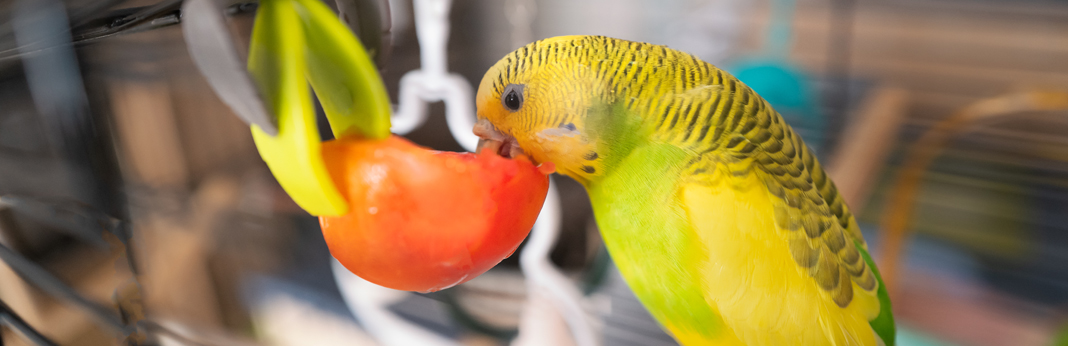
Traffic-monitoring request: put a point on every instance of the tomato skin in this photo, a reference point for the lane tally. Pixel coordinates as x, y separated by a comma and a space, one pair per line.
421, 220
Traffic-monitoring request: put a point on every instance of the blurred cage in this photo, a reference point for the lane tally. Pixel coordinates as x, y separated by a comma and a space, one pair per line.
120, 140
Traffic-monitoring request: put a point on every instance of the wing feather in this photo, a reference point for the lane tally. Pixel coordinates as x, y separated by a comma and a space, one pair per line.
822, 237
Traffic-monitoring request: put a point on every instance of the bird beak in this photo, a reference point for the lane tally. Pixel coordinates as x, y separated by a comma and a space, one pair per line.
495, 141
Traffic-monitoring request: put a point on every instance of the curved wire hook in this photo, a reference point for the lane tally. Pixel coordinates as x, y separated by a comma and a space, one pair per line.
432, 82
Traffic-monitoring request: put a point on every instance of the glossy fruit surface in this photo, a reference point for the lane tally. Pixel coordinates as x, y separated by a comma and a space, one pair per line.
422, 220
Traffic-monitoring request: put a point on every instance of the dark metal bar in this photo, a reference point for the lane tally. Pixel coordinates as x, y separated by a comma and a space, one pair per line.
44, 280
166, 11
81, 221
120, 22
9, 317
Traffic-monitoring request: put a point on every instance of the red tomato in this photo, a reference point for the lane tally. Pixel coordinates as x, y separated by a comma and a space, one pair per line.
421, 220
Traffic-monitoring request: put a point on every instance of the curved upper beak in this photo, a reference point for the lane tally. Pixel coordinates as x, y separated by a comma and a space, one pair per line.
493, 140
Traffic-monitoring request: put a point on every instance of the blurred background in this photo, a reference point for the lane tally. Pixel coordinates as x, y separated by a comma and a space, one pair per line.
124, 179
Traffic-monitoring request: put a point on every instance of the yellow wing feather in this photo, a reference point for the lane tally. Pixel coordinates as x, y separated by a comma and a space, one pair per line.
799, 273
765, 298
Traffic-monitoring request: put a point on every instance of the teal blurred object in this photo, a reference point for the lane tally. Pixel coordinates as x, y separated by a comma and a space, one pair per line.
908, 337
785, 86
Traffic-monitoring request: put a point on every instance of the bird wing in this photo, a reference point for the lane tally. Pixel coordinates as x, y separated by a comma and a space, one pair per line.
750, 162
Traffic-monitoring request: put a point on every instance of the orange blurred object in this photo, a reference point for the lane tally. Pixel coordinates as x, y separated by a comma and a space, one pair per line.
422, 220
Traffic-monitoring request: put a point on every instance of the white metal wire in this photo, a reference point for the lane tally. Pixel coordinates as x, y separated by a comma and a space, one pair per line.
545, 279
432, 83
370, 305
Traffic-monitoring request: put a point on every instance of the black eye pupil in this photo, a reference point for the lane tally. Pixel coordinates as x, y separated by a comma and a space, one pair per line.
512, 100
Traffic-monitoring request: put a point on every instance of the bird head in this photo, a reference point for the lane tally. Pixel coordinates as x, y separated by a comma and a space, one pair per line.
538, 101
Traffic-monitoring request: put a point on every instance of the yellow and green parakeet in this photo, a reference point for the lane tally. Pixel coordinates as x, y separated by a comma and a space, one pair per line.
718, 217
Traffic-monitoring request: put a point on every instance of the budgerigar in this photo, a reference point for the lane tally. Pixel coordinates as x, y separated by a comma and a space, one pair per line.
719, 218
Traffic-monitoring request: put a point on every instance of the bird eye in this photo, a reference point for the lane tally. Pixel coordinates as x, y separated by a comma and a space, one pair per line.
513, 97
